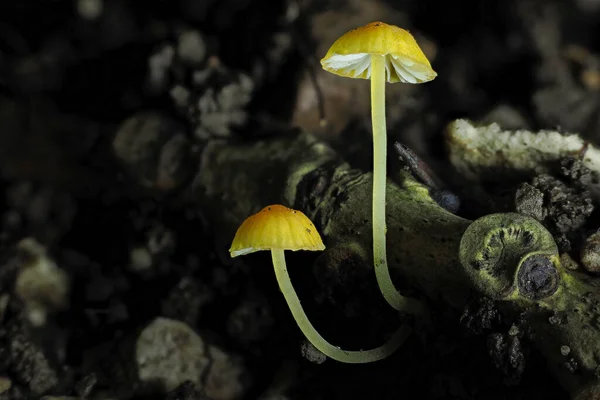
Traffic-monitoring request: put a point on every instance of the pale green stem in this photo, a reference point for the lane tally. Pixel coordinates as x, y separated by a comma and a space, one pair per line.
331, 351
382, 273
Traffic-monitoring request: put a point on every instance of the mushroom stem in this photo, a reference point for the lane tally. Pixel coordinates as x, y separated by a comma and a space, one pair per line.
382, 273
331, 351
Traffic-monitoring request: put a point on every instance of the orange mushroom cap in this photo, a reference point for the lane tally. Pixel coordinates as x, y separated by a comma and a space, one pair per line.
350, 55
276, 227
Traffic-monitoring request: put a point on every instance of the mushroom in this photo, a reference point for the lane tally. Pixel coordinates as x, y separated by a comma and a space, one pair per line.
278, 228
380, 52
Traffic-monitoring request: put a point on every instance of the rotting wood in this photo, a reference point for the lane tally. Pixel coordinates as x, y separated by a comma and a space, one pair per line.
236, 179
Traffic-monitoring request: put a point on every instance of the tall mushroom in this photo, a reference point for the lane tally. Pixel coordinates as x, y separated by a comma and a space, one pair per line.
380, 52
278, 228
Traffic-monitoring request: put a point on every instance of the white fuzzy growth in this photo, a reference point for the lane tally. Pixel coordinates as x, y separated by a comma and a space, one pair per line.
397, 68
480, 152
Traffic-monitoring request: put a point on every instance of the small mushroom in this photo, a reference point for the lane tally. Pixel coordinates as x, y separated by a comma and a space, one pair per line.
380, 52
278, 228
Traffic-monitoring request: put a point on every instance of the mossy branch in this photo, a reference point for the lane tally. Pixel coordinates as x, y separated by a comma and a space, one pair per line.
507, 257
237, 179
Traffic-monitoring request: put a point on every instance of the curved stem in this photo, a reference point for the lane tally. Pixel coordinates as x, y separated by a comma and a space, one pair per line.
331, 351
382, 273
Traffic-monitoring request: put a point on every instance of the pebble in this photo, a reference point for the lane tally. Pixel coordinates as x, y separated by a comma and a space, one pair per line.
170, 353
590, 253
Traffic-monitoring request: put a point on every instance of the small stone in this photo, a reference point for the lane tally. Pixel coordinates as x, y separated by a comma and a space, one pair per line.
590, 253
221, 108
576, 172
312, 354
27, 361
191, 47
572, 365
567, 206
41, 284
180, 96
158, 65
530, 201
568, 262
140, 259
154, 150
5, 384
170, 353
565, 350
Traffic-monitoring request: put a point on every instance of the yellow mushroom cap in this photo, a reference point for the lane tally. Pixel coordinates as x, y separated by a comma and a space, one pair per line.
350, 55
276, 227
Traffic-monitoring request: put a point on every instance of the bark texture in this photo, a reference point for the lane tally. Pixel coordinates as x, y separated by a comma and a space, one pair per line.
237, 179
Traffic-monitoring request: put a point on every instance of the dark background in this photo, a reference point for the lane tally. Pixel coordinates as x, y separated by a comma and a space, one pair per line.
105, 201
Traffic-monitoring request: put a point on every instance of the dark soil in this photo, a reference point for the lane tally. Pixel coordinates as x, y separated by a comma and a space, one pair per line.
111, 285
